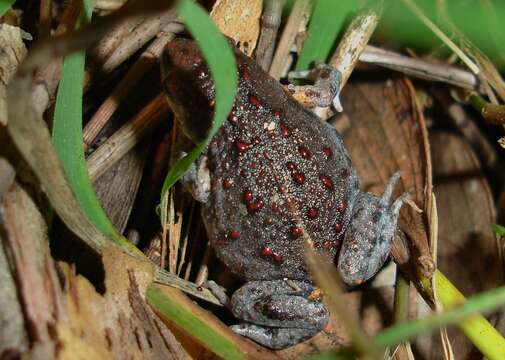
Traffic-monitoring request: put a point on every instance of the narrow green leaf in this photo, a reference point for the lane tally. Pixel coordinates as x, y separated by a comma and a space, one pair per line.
326, 22
221, 62
464, 313
197, 327
480, 303
67, 136
5, 5
498, 229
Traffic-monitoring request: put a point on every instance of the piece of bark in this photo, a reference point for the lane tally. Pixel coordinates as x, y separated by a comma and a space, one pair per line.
468, 253
13, 52
387, 135
26, 244
13, 335
270, 22
239, 19
117, 188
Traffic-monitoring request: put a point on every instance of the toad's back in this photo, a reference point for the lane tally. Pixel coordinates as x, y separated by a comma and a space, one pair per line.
275, 168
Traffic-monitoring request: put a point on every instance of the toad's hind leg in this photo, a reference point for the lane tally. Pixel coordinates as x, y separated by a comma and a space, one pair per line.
278, 313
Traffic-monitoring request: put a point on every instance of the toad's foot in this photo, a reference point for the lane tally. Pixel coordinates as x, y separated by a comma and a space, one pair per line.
325, 90
278, 313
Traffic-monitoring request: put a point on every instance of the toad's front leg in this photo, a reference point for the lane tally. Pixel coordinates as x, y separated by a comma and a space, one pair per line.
278, 313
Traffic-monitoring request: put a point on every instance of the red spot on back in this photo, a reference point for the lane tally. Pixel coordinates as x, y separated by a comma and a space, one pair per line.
240, 146
327, 151
255, 206
254, 101
248, 196
298, 178
291, 166
234, 234
232, 117
338, 226
246, 75
266, 251
285, 130
296, 231
304, 152
312, 213
326, 181
227, 183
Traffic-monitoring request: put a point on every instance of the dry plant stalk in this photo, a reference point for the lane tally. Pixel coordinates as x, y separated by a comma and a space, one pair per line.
146, 61
123, 140
270, 22
298, 18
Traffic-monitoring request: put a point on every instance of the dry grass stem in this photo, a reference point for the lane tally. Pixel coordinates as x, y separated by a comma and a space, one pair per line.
353, 42
142, 33
127, 137
419, 68
270, 22
298, 18
146, 61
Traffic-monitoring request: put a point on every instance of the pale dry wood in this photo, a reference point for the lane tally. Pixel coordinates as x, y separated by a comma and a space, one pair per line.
46, 50
108, 5
349, 49
46, 78
129, 135
298, 18
353, 43
118, 187
146, 61
270, 22
190, 225
13, 334
239, 20
135, 39
29, 133
12, 53
7, 172
117, 323
419, 68
27, 244
111, 40
468, 253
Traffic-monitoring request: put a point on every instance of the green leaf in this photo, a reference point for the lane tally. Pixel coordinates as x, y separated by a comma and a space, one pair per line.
221, 61
67, 136
498, 229
326, 22
181, 315
5, 5
464, 313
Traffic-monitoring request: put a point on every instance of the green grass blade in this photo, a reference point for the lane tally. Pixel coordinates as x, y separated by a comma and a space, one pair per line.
67, 136
221, 62
326, 22
463, 313
5, 5
498, 229
197, 327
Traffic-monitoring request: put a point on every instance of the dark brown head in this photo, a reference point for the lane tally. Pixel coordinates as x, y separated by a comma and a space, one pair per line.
188, 86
